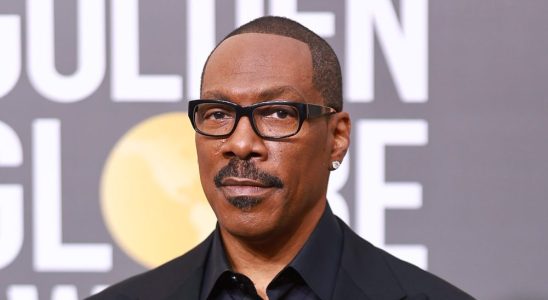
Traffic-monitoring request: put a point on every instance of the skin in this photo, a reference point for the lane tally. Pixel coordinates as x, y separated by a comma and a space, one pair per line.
261, 240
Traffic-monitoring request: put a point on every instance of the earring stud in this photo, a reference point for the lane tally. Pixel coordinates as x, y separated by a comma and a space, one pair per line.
335, 164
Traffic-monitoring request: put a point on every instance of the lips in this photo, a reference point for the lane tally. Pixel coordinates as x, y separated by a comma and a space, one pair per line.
243, 187
233, 181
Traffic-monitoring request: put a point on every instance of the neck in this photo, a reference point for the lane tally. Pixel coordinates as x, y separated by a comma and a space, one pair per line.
261, 259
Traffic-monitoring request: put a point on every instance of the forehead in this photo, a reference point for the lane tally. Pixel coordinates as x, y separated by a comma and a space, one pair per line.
251, 64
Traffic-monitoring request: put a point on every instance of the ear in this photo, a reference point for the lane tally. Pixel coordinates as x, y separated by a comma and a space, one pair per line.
340, 130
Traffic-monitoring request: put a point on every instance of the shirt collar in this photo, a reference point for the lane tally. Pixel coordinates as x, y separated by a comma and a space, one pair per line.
216, 265
319, 259
317, 262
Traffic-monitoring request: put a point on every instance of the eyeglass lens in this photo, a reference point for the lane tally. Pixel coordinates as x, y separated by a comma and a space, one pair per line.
273, 120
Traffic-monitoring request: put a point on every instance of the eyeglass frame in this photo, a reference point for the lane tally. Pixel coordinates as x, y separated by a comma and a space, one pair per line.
305, 111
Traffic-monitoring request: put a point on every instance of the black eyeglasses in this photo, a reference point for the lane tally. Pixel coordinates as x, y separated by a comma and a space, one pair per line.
270, 120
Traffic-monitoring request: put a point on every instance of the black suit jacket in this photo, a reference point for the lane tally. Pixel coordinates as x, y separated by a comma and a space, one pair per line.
366, 272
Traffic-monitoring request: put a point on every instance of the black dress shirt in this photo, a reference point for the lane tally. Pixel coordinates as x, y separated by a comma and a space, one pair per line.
311, 274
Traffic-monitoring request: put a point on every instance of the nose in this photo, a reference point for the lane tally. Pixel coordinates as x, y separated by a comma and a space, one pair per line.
244, 143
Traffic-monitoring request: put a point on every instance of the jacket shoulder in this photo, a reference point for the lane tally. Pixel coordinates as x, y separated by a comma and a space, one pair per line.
163, 281
413, 281
417, 281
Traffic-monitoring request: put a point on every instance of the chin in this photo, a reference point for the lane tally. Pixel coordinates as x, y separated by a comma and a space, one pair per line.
249, 224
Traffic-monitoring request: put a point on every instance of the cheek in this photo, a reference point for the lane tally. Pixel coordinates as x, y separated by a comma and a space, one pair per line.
313, 159
207, 148
303, 160
208, 155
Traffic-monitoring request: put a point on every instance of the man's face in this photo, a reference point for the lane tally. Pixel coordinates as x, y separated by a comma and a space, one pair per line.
262, 188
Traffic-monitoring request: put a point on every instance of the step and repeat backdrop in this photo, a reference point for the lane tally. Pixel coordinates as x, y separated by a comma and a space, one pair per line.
447, 168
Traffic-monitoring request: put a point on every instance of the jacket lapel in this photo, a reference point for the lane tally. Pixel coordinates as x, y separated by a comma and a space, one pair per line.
192, 269
190, 288
364, 274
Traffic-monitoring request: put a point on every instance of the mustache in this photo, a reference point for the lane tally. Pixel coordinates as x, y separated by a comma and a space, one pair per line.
246, 169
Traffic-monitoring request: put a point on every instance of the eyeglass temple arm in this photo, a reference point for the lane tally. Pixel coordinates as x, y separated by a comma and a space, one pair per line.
318, 110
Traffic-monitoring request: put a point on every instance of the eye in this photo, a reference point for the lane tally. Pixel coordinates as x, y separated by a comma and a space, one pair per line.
215, 113
280, 112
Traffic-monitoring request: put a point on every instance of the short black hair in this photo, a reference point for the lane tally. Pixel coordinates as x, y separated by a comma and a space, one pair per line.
326, 77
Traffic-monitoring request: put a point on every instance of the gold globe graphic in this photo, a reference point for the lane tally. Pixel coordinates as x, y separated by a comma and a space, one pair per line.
151, 196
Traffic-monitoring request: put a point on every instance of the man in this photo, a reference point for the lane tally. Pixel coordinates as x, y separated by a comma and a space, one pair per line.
270, 128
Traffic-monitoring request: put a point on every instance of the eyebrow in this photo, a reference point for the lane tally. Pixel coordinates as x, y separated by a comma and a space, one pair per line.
271, 93
276, 92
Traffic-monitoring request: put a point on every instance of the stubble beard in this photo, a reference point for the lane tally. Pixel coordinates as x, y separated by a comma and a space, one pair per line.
245, 203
